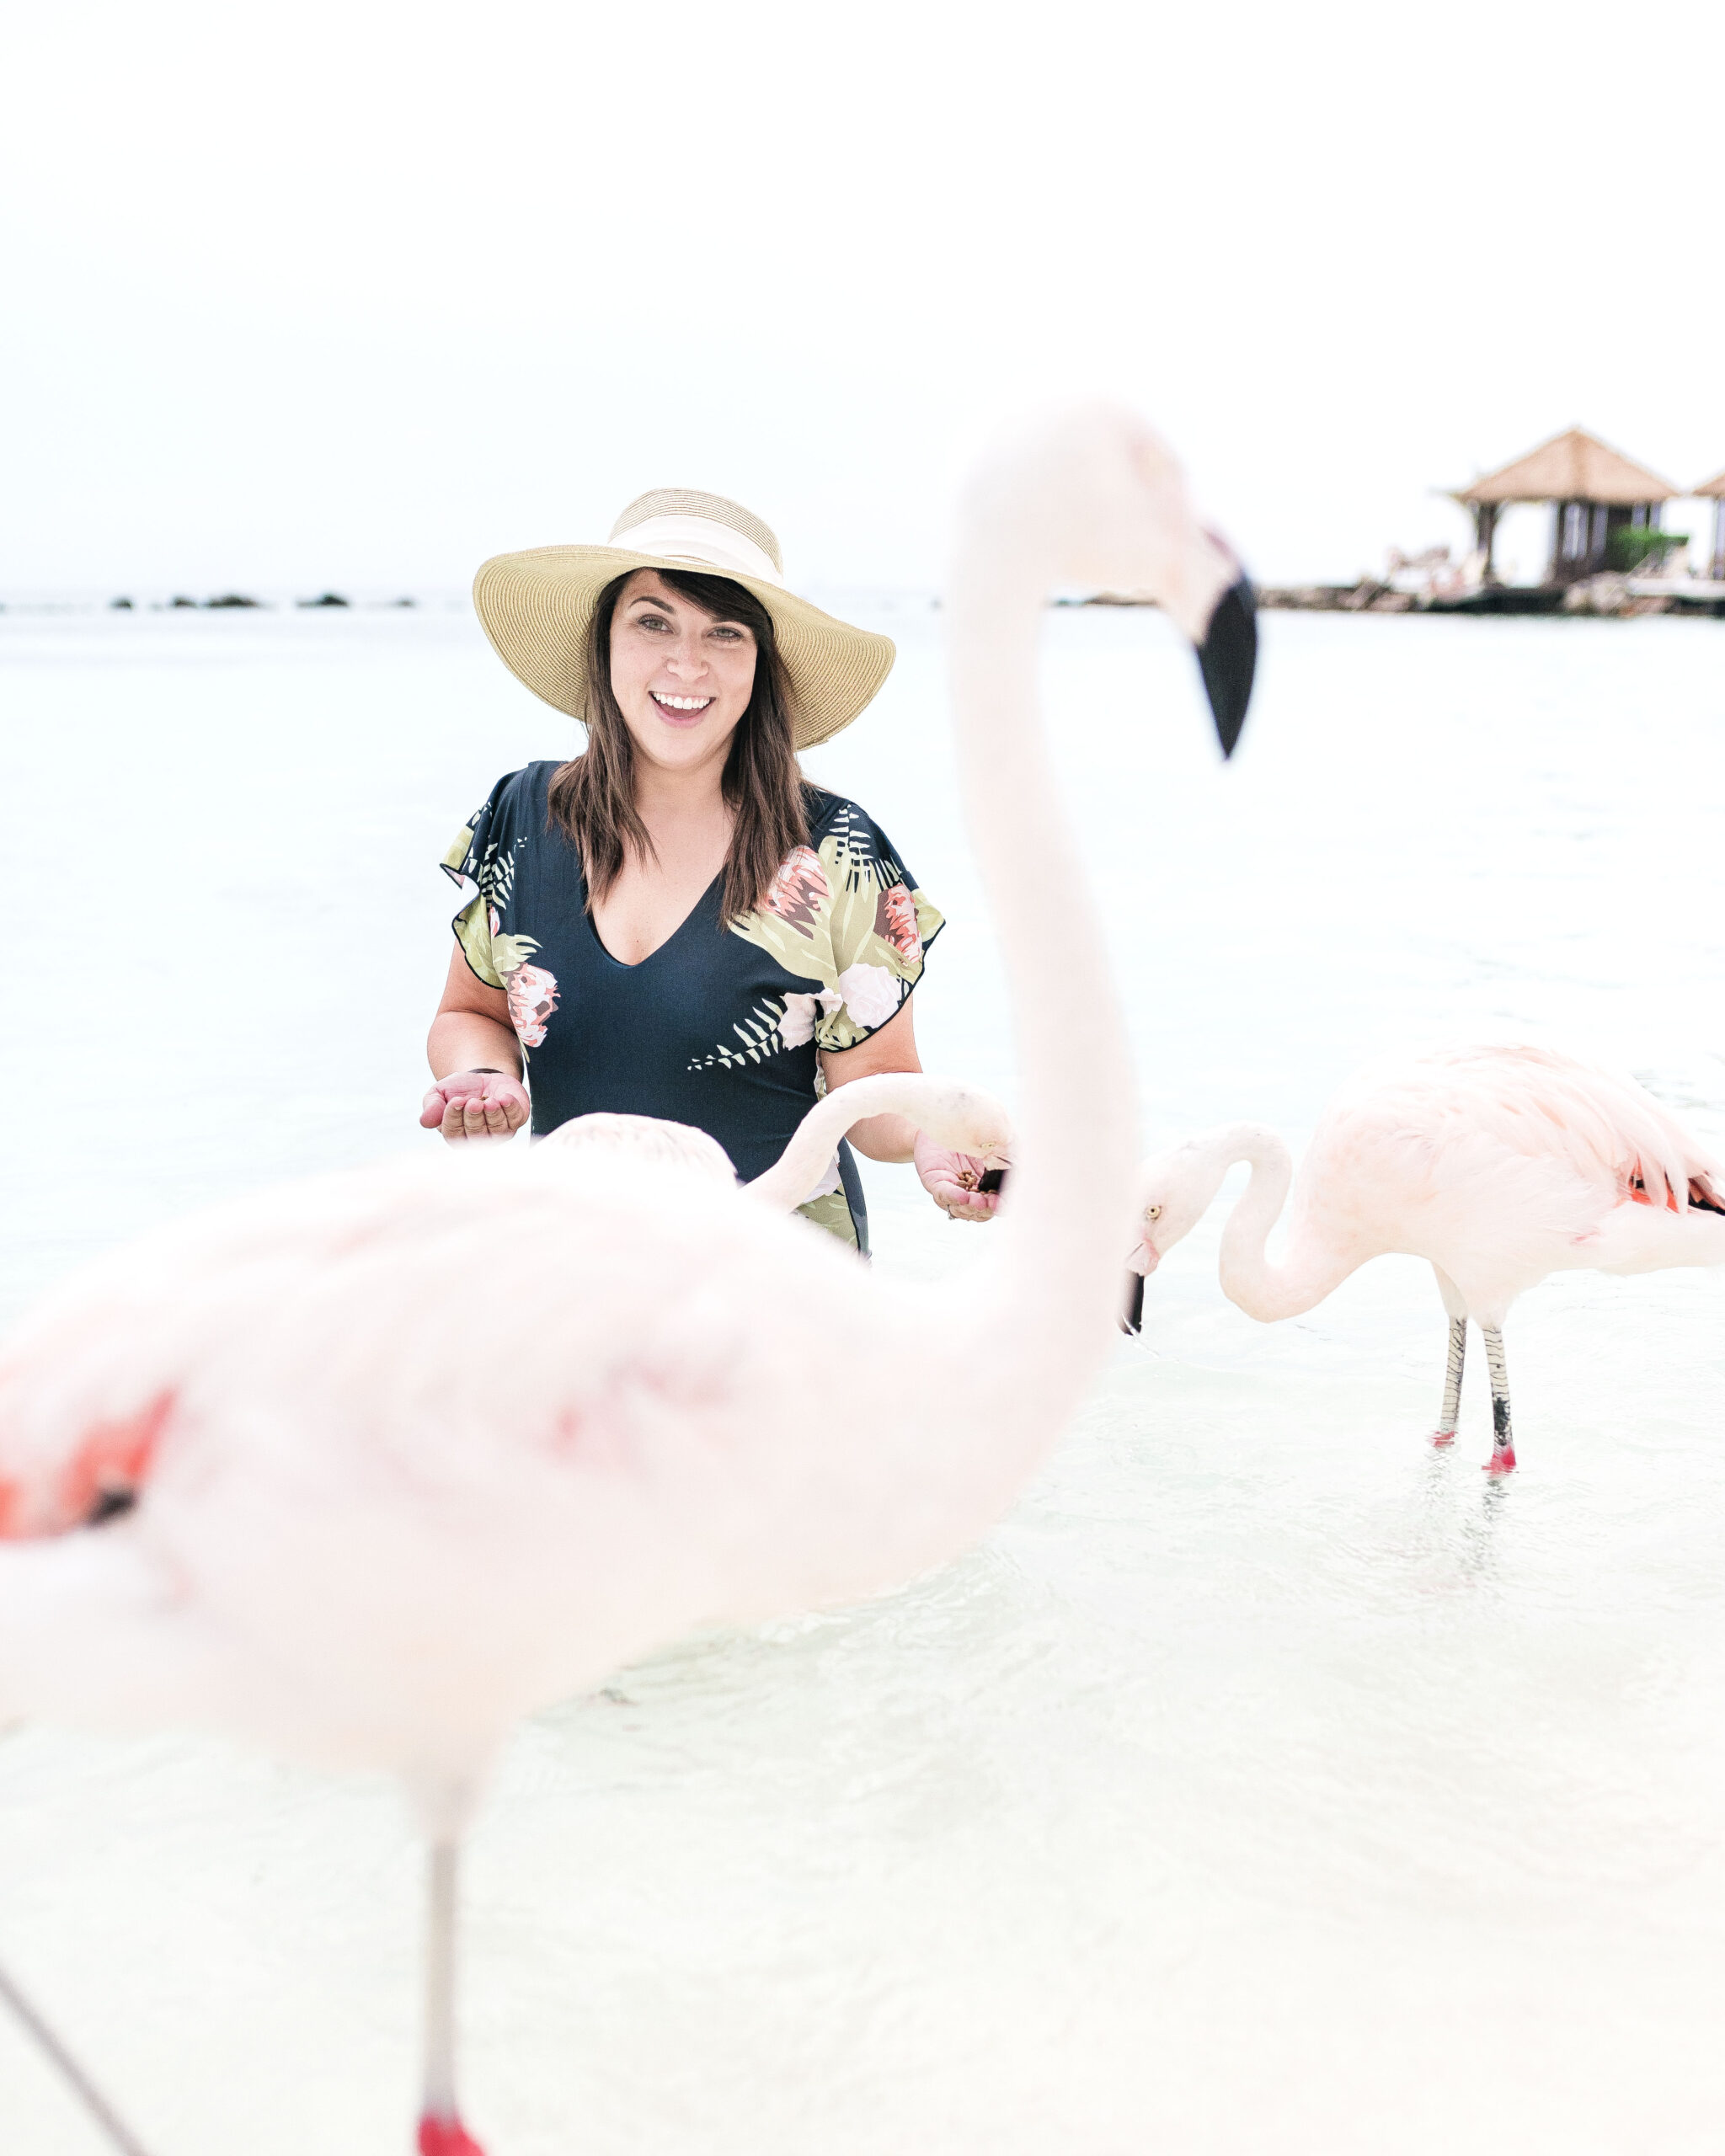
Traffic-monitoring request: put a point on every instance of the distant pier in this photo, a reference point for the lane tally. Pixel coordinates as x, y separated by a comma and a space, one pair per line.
1606, 596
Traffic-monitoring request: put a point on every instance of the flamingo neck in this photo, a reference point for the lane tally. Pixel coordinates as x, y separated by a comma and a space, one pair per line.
1306, 1272
787, 1182
1043, 1318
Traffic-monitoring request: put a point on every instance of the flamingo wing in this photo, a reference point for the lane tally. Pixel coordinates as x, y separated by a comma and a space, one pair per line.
1498, 1163
90, 1381
1610, 1130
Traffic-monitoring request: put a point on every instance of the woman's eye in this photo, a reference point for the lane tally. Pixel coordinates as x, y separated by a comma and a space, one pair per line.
651, 622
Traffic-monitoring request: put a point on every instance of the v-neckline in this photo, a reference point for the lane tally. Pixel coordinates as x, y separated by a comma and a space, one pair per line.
634, 965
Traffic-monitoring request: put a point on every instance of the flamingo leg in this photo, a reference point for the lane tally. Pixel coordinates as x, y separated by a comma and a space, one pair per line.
1502, 1457
94, 2101
1445, 1434
441, 2133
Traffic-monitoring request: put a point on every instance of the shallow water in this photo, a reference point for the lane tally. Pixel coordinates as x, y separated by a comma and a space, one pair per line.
1267, 1781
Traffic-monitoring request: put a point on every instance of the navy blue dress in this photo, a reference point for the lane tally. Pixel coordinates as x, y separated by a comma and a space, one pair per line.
720, 1026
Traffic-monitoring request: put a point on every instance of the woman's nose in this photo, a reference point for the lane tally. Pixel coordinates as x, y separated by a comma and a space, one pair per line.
688, 661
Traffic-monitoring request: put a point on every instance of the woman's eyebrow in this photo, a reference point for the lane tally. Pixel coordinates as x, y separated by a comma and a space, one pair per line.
670, 607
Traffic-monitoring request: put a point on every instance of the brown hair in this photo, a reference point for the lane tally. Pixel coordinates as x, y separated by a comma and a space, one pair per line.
593, 795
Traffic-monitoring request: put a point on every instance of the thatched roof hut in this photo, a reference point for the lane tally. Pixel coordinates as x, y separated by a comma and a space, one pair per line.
1595, 491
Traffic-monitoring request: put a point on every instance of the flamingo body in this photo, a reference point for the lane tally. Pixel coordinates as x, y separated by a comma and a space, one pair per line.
1498, 1164
1501, 1165
644, 1138
503, 1506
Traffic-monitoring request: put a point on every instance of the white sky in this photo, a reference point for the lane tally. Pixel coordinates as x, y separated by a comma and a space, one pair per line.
359, 293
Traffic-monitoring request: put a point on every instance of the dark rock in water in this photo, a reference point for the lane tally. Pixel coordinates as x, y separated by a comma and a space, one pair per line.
404, 602
120, 606
328, 599
181, 601
233, 599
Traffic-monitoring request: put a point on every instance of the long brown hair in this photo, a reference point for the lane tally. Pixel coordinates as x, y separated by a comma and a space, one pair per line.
593, 796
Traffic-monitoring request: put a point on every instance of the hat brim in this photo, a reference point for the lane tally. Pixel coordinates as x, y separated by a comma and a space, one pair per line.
537, 609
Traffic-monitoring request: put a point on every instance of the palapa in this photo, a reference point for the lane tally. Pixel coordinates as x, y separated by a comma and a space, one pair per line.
1573, 466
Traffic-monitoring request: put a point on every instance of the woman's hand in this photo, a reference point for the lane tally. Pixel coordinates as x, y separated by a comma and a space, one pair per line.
475, 1104
951, 1179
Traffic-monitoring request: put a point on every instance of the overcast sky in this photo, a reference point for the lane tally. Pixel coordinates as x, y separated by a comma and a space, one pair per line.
358, 294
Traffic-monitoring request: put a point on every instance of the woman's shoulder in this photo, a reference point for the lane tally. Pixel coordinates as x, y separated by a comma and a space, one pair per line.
516, 804
843, 832
511, 818
530, 784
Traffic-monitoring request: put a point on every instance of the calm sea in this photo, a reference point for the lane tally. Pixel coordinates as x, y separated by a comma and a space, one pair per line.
1266, 1782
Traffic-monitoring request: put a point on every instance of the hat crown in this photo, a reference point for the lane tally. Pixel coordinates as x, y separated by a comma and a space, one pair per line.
689, 501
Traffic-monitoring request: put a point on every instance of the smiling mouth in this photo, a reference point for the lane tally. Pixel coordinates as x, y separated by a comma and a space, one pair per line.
680, 707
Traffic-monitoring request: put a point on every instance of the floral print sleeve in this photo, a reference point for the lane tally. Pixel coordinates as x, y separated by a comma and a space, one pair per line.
462, 864
843, 911
484, 854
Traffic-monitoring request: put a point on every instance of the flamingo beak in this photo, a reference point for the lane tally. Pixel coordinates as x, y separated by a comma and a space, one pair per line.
1140, 1266
1228, 658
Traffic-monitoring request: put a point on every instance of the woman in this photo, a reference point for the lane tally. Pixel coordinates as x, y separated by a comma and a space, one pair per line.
675, 923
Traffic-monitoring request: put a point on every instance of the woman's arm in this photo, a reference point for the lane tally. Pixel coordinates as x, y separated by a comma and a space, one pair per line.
949, 1178
475, 1059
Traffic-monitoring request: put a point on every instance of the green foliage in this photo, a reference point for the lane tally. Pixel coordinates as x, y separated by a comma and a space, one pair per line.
1631, 549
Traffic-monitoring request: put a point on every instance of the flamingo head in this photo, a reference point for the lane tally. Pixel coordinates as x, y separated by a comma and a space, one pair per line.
970, 1121
1176, 1193
1113, 513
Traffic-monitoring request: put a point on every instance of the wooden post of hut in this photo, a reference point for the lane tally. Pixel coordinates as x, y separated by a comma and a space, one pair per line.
1594, 493
1714, 492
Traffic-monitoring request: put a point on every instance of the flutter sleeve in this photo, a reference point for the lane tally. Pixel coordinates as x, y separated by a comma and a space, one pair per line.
880, 927
481, 859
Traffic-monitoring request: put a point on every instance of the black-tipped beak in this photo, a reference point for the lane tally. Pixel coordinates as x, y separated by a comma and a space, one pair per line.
1132, 1310
1228, 658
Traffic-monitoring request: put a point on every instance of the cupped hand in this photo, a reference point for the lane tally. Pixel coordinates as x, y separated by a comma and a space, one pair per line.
951, 1180
475, 1104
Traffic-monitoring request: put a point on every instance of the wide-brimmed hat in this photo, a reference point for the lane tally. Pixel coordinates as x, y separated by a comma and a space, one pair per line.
537, 607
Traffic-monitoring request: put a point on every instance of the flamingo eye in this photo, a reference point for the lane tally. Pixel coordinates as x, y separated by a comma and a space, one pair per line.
1154, 1214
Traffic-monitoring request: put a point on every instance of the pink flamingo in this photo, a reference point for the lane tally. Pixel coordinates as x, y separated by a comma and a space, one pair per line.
1498, 1165
366, 1468
960, 1116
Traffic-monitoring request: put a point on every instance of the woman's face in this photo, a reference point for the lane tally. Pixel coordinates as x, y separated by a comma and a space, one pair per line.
682, 678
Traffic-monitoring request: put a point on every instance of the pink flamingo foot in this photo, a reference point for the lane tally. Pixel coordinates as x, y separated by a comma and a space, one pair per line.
1443, 1437
1500, 1463
447, 2137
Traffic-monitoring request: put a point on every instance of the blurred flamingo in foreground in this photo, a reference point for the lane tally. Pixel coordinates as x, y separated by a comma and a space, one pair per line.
1498, 1165
366, 1468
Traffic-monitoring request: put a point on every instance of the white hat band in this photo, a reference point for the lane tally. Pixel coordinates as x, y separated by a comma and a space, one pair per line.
699, 541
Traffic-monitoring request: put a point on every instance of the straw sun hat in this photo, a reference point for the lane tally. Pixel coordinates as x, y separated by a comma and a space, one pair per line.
537, 607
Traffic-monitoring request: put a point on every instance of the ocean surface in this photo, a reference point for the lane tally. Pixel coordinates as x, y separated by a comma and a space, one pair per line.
1268, 1782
